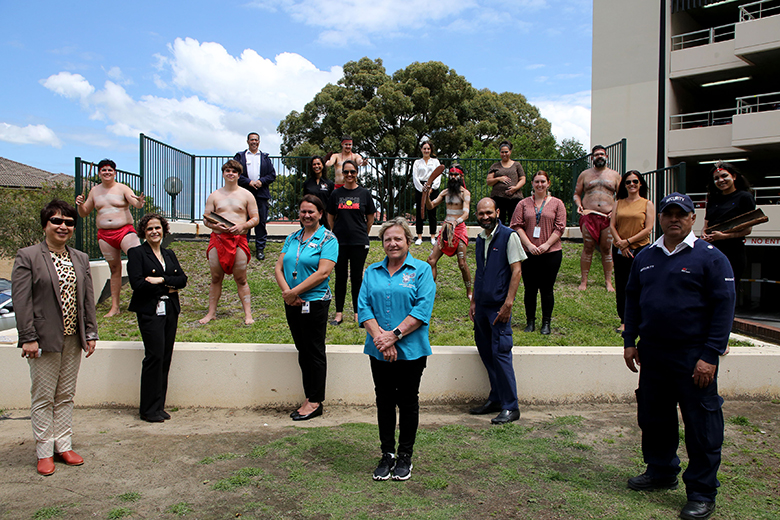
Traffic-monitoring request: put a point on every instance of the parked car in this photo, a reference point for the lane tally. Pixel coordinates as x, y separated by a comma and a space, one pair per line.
7, 314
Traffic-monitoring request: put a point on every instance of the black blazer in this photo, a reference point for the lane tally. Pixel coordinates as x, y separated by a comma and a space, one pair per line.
141, 262
267, 175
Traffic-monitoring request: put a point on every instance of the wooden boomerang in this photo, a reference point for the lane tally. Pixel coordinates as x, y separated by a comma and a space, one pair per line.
741, 222
428, 184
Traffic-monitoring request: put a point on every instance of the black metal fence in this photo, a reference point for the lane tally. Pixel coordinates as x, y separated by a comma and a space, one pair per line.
177, 183
662, 182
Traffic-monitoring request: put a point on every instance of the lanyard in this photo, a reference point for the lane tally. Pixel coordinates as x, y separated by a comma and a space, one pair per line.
298, 254
539, 211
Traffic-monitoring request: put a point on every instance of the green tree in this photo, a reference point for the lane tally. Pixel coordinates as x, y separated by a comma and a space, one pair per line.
389, 116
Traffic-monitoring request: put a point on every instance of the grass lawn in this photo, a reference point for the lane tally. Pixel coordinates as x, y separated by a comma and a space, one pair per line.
580, 318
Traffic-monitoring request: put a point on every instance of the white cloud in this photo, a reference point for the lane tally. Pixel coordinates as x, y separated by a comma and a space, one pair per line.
30, 134
221, 97
249, 82
569, 115
69, 85
535, 66
116, 75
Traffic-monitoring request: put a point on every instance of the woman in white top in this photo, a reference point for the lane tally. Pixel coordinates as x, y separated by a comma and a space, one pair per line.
421, 171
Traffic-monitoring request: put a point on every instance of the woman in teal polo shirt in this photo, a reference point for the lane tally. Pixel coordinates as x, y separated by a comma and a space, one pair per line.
302, 272
395, 305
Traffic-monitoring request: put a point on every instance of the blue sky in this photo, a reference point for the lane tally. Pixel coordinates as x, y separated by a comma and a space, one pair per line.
85, 78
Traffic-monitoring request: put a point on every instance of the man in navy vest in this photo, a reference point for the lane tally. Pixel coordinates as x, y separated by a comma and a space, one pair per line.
499, 253
680, 304
258, 173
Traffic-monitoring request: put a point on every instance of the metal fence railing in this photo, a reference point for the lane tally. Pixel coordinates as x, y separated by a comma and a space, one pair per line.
756, 10
707, 36
165, 170
702, 119
758, 103
86, 178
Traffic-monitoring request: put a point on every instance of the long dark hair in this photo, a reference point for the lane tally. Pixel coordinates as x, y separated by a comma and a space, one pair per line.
622, 192
311, 169
740, 183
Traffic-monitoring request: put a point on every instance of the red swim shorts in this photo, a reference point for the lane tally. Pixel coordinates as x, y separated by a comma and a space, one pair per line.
227, 245
113, 237
595, 224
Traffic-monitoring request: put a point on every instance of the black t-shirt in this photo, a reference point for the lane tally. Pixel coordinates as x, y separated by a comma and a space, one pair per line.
320, 188
725, 207
350, 208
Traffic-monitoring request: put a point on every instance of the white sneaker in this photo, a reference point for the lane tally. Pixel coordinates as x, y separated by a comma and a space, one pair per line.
418, 242
433, 241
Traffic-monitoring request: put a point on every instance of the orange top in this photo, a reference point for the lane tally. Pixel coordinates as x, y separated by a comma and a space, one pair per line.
630, 219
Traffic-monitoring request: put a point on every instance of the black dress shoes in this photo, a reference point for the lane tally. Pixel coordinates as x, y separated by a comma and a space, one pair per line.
152, 418
506, 416
316, 413
645, 483
488, 407
165, 415
697, 510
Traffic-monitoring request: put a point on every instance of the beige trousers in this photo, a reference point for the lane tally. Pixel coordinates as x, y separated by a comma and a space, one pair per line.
53, 378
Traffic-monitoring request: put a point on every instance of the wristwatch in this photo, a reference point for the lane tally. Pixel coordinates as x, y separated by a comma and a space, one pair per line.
398, 333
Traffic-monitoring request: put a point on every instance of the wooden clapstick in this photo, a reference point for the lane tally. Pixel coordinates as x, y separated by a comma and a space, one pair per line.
216, 218
428, 184
742, 222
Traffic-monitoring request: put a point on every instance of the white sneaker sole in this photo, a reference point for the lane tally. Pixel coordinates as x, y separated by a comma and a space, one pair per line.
408, 475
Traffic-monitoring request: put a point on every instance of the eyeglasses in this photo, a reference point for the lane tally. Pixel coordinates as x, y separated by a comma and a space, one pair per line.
349, 172
60, 221
632, 181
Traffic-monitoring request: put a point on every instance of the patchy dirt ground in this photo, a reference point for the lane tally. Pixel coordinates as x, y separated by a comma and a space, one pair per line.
160, 461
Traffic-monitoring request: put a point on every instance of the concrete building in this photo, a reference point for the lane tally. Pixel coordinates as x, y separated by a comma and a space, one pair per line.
695, 81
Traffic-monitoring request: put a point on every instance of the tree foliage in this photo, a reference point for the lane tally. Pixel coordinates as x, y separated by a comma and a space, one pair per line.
389, 116
20, 214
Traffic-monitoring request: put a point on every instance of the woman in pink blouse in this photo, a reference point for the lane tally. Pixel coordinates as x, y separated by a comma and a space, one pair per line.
539, 221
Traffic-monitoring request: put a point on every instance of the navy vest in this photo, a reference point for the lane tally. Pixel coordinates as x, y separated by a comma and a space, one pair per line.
491, 283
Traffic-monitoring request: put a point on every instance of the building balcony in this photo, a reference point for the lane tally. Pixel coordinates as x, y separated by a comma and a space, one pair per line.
757, 121
757, 35
704, 52
701, 134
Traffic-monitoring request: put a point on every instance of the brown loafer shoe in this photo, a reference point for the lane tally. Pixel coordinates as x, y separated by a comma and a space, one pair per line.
70, 457
46, 466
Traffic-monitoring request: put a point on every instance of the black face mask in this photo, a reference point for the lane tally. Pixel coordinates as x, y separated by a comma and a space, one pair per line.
600, 162
488, 224
454, 185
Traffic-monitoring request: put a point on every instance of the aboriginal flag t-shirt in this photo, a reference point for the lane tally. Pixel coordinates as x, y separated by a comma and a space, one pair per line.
350, 208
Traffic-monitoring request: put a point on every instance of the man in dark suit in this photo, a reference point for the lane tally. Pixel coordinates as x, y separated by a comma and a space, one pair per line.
258, 172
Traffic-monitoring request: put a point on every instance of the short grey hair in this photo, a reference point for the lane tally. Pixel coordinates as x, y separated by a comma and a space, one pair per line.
397, 221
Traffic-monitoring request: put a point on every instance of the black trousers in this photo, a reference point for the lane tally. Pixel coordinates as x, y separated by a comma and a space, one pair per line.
260, 232
622, 270
158, 334
308, 332
539, 274
431, 213
664, 381
397, 384
351, 259
506, 208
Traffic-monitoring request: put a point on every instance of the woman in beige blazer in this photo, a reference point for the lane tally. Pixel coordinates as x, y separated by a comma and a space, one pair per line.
55, 315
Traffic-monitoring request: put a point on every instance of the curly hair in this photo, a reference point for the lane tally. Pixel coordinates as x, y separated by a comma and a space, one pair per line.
141, 228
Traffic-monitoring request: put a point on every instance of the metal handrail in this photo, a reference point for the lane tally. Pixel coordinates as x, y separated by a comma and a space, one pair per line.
717, 34
758, 103
760, 9
719, 117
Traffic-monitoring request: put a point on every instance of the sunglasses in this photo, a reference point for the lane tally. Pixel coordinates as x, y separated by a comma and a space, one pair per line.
60, 221
349, 172
632, 181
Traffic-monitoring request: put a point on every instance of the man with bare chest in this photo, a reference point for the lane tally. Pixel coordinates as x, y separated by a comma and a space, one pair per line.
594, 197
453, 237
337, 159
116, 233
228, 251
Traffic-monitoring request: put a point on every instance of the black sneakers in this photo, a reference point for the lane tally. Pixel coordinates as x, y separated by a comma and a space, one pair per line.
385, 468
403, 467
